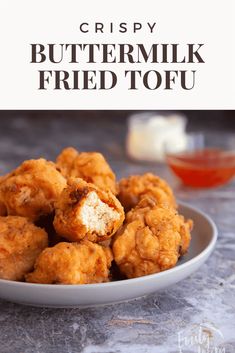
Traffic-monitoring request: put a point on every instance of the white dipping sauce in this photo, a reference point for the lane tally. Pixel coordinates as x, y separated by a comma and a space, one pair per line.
151, 136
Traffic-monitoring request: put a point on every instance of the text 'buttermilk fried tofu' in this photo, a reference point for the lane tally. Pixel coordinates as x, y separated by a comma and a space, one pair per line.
20, 244
85, 211
90, 166
31, 189
72, 263
135, 187
151, 239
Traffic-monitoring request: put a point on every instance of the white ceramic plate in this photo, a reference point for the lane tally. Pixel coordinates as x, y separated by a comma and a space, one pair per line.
204, 237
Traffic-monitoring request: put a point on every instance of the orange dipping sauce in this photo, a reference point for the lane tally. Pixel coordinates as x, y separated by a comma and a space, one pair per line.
203, 168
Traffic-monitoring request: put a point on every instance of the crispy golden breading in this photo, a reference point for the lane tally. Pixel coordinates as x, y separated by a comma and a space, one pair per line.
135, 187
85, 211
151, 240
72, 263
20, 244
90, 166
46, 222
65, 161
31, 189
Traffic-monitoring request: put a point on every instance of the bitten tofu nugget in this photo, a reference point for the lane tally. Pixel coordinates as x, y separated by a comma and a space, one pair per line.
90, 166
151, 240
85, 211
72, 263
135, 187
20, 244
31, 189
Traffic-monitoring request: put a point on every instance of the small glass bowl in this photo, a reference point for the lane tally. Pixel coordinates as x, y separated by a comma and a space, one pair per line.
149, 131
208, 160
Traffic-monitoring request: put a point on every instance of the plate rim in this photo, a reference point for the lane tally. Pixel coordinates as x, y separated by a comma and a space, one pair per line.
208, 249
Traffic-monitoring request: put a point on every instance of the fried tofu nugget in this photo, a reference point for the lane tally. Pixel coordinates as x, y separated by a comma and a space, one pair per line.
90, 166
135, 187
20, 244
85, 211
151, 240
31, 189
72, 263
